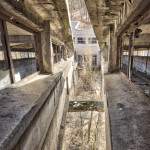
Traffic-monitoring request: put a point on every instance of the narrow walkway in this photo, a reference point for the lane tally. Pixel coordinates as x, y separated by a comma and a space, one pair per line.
129, 111
85, 121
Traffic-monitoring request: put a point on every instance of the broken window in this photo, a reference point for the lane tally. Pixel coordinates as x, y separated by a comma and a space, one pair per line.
94, 60
22, 51
81, 40
58, 52
80, 60
92, 40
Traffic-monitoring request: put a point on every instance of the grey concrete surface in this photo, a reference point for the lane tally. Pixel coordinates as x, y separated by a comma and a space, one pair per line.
19, 105
129, 111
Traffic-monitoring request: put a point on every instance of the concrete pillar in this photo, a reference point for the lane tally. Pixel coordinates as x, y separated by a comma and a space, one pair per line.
113, 51
65, 54
44, 49
61, 51
131, 37
6, 46
119, 52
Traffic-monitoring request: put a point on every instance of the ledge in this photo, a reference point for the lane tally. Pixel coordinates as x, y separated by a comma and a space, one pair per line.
19, 104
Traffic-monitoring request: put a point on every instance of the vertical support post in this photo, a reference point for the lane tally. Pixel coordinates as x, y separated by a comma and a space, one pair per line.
57, 48
121, 59
130, 55
111, 47
5, 41
113, 51
65, 54
147, 61
60, 53
44, 49
102, 73
119, 52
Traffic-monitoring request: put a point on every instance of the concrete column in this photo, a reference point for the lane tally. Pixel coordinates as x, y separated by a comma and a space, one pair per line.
44, 49
61, 51
131, 36
6, 46
65, 54
119, 52
113, 51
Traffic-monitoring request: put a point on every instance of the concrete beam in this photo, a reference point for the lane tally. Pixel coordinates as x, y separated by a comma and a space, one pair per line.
136, 47
23, 6
10, 14
143, 6
21, 39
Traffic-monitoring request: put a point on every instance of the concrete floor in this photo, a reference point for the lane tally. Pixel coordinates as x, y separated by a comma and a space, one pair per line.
85, 120
129, 111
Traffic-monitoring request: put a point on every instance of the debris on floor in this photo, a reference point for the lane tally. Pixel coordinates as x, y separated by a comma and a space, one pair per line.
85, 121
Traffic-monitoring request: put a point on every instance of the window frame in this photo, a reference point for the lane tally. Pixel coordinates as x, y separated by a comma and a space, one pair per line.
92, 40
94, 60
81, 40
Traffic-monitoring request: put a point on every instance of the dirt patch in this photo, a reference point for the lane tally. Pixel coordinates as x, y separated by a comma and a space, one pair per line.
75, 106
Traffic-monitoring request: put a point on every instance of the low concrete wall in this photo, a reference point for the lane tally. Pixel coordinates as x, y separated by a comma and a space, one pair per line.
51, 140
33, 120
107, 125
141, 64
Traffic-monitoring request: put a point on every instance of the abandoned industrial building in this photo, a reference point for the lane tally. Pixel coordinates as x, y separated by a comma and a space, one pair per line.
49, 100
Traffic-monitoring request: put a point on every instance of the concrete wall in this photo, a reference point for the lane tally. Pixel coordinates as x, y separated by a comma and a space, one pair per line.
87, 48
139, 63
51, 140
43, 131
